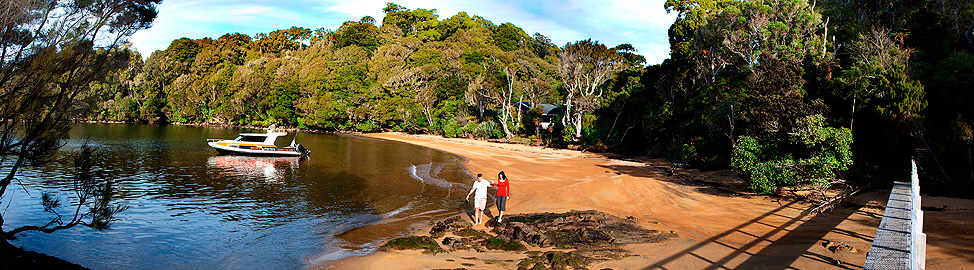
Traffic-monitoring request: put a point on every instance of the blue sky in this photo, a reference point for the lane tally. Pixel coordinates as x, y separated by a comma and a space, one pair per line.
642, 23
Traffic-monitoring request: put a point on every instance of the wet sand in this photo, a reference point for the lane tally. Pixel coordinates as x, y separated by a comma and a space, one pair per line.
720, 224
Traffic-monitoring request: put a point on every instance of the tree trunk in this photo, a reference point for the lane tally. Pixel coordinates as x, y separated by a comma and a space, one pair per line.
519, 117
506, 110
566, 118
480, 102
614, 122
504, 114
578, 125
429, 117
970, 162
852, 116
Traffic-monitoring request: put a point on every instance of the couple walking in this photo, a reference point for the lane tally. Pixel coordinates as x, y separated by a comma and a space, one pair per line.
480, 200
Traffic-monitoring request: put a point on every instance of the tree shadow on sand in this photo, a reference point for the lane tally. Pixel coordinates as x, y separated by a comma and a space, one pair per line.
778, 238
722, 183
801, 234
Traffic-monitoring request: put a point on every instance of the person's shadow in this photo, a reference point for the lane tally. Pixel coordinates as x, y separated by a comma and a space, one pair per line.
466, 207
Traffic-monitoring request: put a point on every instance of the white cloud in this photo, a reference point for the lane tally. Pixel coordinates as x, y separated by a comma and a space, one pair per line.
642, 23
249, 10
199, 19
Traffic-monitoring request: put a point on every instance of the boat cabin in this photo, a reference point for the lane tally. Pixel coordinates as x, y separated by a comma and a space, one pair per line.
264, 139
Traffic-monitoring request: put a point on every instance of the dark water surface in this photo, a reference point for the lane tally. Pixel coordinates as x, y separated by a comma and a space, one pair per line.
192, 209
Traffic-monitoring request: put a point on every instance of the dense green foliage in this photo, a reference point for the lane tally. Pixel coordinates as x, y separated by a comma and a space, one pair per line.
776, 89
771, 164
460, 77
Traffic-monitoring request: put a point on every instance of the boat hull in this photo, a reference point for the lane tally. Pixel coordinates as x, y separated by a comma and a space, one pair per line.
255, 150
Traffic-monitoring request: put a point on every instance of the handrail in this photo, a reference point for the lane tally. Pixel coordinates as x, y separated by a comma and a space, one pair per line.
900, 242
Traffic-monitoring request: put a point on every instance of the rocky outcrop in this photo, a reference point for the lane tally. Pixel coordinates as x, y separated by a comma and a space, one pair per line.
591, 236
555, 260
457, 243
452, 224
577, 230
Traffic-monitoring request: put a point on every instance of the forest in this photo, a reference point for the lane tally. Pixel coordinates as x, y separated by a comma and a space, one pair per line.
788, 93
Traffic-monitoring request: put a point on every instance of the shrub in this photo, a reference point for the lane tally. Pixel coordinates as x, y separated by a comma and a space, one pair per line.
488, 130
769, 165
529, 119
367, 126
469, 127
453, 129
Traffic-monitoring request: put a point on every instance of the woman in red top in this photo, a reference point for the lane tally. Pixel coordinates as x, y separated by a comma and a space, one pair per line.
503, 192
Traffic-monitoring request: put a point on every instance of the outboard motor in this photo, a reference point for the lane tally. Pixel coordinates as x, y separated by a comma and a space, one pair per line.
302, 149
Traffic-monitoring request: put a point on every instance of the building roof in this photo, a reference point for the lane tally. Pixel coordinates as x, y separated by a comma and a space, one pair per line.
548, 108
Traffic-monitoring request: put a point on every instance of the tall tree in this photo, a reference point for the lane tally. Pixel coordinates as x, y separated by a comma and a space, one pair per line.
690, 15
285, 39
583, 67
51, 53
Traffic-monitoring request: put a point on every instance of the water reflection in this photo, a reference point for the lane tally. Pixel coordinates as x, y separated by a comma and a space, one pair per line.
192, 209
270, 170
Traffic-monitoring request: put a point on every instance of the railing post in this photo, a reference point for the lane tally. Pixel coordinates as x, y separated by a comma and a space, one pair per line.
918, 239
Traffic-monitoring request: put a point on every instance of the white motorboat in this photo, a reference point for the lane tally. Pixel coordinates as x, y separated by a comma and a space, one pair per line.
260, 144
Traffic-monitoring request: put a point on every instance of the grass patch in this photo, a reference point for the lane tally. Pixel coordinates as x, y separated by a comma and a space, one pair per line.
425, 243
501, 244
530, 261
471, 233
495, 262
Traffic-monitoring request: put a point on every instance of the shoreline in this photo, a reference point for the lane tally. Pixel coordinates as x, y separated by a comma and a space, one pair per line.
214, 125
718, 221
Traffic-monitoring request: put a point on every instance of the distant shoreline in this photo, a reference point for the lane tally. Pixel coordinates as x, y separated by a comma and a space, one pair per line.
215, 125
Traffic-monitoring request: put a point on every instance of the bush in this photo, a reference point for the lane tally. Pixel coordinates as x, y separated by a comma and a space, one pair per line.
453, 129
530, 120
367, 126
469, 127
770, 165
488, 130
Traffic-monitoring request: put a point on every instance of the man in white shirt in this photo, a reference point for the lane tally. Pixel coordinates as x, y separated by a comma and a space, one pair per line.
480, 200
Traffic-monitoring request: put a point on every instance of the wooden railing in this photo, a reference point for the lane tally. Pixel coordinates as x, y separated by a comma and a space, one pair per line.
900, 242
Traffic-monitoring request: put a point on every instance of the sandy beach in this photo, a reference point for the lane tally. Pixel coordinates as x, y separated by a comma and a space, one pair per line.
720, 224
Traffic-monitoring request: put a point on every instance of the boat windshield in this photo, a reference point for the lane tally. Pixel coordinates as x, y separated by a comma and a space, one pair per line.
249, 139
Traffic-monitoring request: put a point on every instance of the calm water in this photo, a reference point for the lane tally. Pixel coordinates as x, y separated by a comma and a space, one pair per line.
192, 209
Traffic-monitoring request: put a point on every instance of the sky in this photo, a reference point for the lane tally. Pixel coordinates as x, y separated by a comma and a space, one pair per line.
642, 23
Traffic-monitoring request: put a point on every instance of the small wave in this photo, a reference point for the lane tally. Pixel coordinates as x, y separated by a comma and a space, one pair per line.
412, 172
354, 222
397, 211
341, 253
428, 214
425, 174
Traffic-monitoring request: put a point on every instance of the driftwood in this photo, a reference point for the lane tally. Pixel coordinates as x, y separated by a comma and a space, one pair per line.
824, 203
